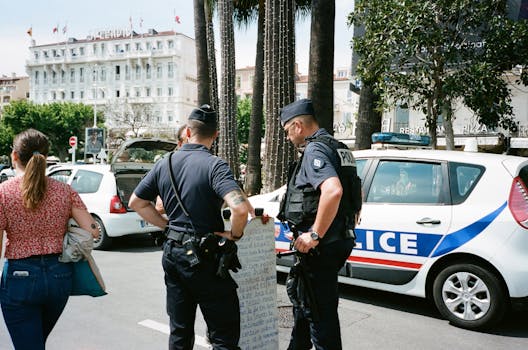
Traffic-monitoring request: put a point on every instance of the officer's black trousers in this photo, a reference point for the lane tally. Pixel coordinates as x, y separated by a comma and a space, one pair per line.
188, 287
324, 334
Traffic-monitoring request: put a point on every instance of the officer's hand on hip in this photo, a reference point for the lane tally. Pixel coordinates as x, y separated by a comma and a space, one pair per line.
304, 242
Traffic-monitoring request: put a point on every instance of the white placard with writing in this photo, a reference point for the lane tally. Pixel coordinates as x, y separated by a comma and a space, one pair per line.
257, 287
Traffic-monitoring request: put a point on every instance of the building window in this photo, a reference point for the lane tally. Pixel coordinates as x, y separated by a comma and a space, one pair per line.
148, 71
401, 118
94, 48
169, 116
170, 44
138, 46
103, 74
147, 92
63, 95
170, 91
36, 77
54, 77
159, 45
53, 95
159, 92
117, 93
138, 92
72, 75
72, 95
72, 52
116, 48
45, 77
102, 48
81, 74
127, 72
117, 74
238, 82
82, 94
36, 55
127, 47
159, 71
81, 51
138, 71
149, 46
170, 70
63, 76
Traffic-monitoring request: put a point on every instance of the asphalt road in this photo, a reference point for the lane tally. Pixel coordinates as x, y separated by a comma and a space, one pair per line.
132, 316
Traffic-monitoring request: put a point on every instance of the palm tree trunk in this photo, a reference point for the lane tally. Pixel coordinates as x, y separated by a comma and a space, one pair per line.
201, 53
211, 53
254, 167
321, 67
228, 143
279, 57
369, 119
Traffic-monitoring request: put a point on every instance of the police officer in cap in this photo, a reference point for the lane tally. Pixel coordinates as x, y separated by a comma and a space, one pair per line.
322, 233
203, 182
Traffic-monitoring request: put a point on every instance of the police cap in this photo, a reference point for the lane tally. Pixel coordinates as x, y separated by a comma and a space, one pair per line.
301, 107
204, 114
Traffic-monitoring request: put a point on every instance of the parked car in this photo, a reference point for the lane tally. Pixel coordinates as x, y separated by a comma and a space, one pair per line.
6, 174
106, 188
445, 225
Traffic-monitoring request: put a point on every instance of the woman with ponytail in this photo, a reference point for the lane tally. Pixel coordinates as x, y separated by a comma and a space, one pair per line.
34, 213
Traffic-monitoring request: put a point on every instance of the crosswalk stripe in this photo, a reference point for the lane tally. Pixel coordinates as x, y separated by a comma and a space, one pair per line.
164, 328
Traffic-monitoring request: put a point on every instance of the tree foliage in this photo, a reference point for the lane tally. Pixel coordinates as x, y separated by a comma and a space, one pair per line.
432, 54
58, 121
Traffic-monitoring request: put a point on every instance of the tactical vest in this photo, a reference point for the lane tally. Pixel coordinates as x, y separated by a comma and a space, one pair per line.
299, 205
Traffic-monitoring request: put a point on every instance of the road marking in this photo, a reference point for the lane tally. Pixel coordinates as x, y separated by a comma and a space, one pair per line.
164, 328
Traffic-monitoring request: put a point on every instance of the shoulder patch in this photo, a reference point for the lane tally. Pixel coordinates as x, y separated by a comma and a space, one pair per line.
317, 163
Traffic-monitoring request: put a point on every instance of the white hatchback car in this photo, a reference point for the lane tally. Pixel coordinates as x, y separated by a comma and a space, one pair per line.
446, 225
106, 188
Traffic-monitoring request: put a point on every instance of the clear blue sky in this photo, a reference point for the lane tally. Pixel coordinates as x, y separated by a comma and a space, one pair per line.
83, 17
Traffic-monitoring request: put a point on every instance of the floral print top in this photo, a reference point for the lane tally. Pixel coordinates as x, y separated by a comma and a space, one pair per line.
39, 231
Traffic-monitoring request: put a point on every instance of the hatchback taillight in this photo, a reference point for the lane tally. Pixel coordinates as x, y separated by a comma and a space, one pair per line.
518, 202
116, 206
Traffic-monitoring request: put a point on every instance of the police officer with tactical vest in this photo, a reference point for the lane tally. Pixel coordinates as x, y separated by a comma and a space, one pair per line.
321, 205
193, 184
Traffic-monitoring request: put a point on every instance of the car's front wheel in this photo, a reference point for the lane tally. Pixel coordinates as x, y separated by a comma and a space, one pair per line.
103, 242
469, 296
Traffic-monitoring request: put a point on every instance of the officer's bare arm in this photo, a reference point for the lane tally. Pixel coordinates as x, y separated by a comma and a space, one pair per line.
147, 211
240, 207
331, 193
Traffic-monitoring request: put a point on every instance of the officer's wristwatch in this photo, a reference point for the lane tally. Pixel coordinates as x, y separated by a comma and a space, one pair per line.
315, 236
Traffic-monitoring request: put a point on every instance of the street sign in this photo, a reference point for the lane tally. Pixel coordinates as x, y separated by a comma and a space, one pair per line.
73, 141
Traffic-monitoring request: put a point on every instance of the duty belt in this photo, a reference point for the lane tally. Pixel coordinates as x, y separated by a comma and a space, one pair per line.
180, 236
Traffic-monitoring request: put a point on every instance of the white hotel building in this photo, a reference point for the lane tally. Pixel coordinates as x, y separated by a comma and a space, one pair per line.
116, 67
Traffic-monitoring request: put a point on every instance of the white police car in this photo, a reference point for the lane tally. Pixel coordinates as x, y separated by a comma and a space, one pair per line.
450, 226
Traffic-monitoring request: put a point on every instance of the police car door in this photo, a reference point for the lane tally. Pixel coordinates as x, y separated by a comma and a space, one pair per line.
404, 216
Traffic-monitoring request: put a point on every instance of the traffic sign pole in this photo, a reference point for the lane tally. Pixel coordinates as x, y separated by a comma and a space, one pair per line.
73, 143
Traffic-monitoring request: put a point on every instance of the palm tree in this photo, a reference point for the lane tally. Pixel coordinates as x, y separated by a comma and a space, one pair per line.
209, 6
321, 66
201, 53
245, 11
279, 58
228, 143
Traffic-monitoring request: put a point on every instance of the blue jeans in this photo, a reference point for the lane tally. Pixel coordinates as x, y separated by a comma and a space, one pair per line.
189, 287
33, 294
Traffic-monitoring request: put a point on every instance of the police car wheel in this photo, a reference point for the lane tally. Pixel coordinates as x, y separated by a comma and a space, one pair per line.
103, 242
469, 296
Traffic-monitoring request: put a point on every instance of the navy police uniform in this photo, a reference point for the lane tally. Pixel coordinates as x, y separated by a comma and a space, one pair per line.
319, 163
202, 181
